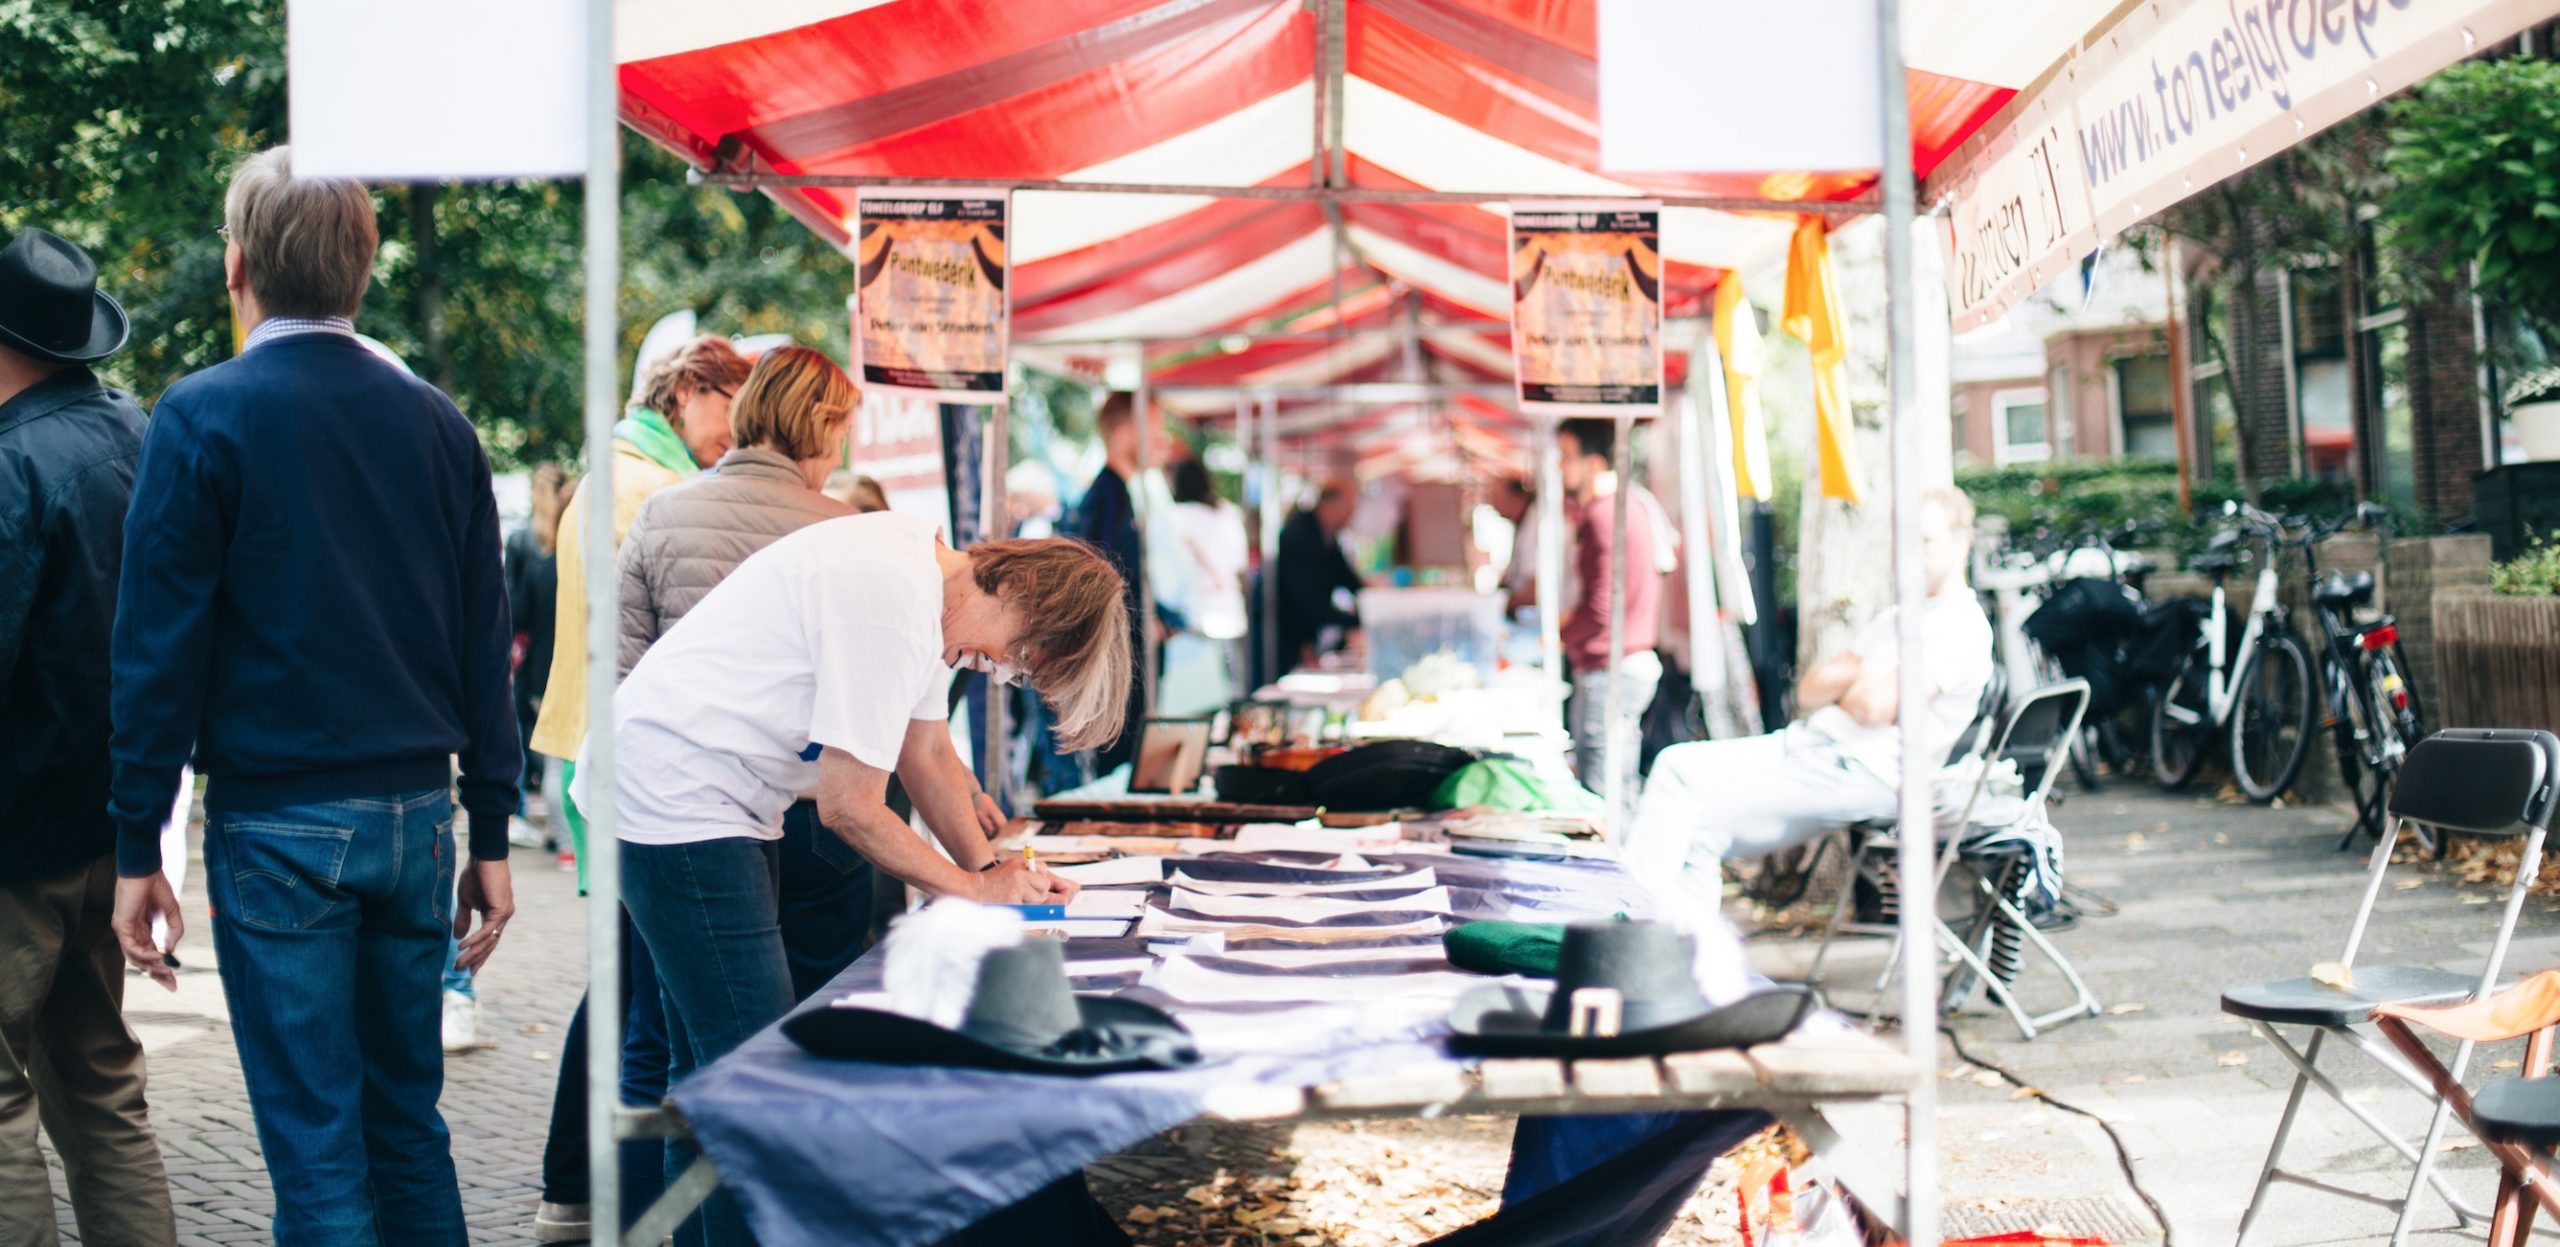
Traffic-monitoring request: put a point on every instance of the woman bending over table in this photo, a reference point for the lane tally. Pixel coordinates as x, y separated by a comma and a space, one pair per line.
821, 664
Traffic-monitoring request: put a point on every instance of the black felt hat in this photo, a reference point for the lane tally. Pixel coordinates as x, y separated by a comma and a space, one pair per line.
1023, 1016
1622, 989
50, 304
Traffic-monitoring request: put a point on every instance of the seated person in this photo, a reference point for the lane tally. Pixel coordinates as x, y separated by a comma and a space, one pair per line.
1842, 760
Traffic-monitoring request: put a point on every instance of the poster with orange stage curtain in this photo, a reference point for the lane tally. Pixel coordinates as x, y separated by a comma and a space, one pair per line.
1812, 316
1586, 307
931, 312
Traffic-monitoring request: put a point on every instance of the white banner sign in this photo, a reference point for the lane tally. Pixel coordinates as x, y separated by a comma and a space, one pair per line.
2177, 97
449, 89
1717, 86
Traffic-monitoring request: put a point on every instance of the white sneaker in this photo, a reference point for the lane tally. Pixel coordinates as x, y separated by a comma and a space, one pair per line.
461, 1022
562, 1223
522, 834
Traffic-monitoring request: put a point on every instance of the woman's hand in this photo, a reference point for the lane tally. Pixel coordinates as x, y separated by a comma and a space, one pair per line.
1014, 883
991, 819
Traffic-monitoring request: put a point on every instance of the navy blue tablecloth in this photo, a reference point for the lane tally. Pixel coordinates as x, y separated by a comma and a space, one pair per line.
841, 1152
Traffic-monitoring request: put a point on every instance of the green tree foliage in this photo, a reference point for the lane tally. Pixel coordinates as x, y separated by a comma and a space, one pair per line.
124, 120
2475, 161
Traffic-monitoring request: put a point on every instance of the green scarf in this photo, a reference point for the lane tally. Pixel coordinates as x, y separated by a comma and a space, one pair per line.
650, 434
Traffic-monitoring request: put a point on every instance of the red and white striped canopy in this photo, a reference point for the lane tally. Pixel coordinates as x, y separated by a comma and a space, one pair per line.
1492, 96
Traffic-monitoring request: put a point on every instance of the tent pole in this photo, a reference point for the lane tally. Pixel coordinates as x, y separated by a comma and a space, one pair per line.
1860, 206
1268, 465
1917, 850
1140, 501
1613, 786
995, 523
1550, 539
1706, 622
603, 243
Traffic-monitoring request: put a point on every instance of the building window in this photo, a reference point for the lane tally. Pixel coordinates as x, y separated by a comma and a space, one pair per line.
2323, 393
2208, 328
2148, 427
2389, 441
2018, 427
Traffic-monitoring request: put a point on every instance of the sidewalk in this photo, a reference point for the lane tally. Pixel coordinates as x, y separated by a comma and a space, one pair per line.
2208, 893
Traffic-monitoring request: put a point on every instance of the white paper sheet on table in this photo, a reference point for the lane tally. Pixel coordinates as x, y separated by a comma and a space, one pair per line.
1159, 922
1079, 928
1407, 882
1306, 908
1293, 958
1275, 838
1116, 870
1156, 846
1106, 905
1187, 980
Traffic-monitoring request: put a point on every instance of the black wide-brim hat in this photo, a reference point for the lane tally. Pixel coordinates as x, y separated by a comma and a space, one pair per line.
1638, 995
50, 304
1024, 1018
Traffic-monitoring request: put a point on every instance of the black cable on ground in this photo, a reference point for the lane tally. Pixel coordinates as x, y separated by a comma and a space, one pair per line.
2124, 1159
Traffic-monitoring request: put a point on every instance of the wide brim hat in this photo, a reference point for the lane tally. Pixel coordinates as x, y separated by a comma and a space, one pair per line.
50, 304
1622, 989
1024, 1018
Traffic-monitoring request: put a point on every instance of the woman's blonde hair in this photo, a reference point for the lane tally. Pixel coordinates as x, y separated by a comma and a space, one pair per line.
1074, 645
795, 401
550, 494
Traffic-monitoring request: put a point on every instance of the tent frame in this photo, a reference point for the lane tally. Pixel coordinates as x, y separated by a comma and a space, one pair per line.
609, 1122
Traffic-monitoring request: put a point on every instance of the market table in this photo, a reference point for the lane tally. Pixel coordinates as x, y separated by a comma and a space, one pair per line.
823, 1151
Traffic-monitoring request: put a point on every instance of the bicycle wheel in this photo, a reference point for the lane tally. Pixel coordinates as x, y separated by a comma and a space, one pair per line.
2181, 722
2271, 717
2364, 765
2391, 669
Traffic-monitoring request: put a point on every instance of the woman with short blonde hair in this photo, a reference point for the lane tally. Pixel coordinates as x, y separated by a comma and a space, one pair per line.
798, 403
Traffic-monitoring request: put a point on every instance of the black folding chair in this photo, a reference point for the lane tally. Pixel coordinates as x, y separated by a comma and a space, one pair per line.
2483, 782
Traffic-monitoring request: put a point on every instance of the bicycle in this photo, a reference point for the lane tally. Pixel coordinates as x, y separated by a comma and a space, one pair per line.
2260, 700
2373, 714
2019, 579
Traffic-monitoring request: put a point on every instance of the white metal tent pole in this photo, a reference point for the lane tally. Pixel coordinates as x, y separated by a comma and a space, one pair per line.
1706, 623
1918, 848
1613, 789
1139, 498
603, 244
1268, 463
1550, 539
995, 523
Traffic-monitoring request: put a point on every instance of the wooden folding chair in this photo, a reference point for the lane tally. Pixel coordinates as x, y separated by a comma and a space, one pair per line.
2518, 1118
2483, 782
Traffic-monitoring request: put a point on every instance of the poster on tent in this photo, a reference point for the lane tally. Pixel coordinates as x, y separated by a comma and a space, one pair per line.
931, 314
897, 441
1586, 307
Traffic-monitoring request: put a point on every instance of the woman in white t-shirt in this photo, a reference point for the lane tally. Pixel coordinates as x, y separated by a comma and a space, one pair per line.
820, 664
1205, 538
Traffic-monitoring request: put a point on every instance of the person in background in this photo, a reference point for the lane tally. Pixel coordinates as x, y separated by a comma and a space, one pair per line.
1107, 520
1709, 801
311, 603
1515, 502
533, 603
68, 445
1317, 589
1207, 534
677, 424
857, 491
822, 663
1591, 485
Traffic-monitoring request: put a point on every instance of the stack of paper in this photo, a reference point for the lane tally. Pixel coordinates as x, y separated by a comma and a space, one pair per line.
1159, 922
1407, 882
1115, 871
1190, 982
1275, 838
1307, 908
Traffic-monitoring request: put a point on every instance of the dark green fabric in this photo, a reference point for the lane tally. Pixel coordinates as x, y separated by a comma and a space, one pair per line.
1506, 947
1510, 784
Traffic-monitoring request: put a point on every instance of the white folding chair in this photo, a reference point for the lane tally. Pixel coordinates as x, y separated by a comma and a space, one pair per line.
2482, 782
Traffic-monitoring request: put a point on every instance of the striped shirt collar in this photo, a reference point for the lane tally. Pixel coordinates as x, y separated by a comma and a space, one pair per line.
275, 327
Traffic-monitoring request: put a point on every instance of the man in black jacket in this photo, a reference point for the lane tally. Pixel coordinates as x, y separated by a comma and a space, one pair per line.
1316, 580
67, 452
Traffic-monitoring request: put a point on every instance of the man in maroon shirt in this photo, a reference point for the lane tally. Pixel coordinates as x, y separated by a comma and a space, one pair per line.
1591, 506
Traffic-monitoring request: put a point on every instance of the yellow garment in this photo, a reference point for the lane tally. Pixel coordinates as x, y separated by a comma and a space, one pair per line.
1813, 317
1738, 341
563, 724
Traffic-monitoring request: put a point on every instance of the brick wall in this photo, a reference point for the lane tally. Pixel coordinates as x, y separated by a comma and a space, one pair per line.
2422, 567
2444, 404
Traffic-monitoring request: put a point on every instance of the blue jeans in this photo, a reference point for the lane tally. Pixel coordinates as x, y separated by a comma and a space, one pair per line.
710, 913
825, 905
331, 921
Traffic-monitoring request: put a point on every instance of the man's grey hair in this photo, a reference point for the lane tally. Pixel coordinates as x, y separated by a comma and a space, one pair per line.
306, 244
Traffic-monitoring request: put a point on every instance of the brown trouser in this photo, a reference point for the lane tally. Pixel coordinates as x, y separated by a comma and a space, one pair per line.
67, 1058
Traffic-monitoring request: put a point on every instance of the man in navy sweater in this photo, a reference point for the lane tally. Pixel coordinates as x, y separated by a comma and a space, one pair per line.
312, 605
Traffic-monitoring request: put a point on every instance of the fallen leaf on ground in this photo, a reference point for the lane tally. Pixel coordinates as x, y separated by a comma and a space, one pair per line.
2026, 1093
1985, 1078
2509, 1063
2120, 1010
2232, 1058
2409, 884
2126, 1081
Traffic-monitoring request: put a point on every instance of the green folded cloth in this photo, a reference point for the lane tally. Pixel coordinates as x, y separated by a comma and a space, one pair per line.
1506, 947
1510, 784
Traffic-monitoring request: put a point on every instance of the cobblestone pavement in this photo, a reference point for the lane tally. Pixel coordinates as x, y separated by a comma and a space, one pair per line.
2207, 893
